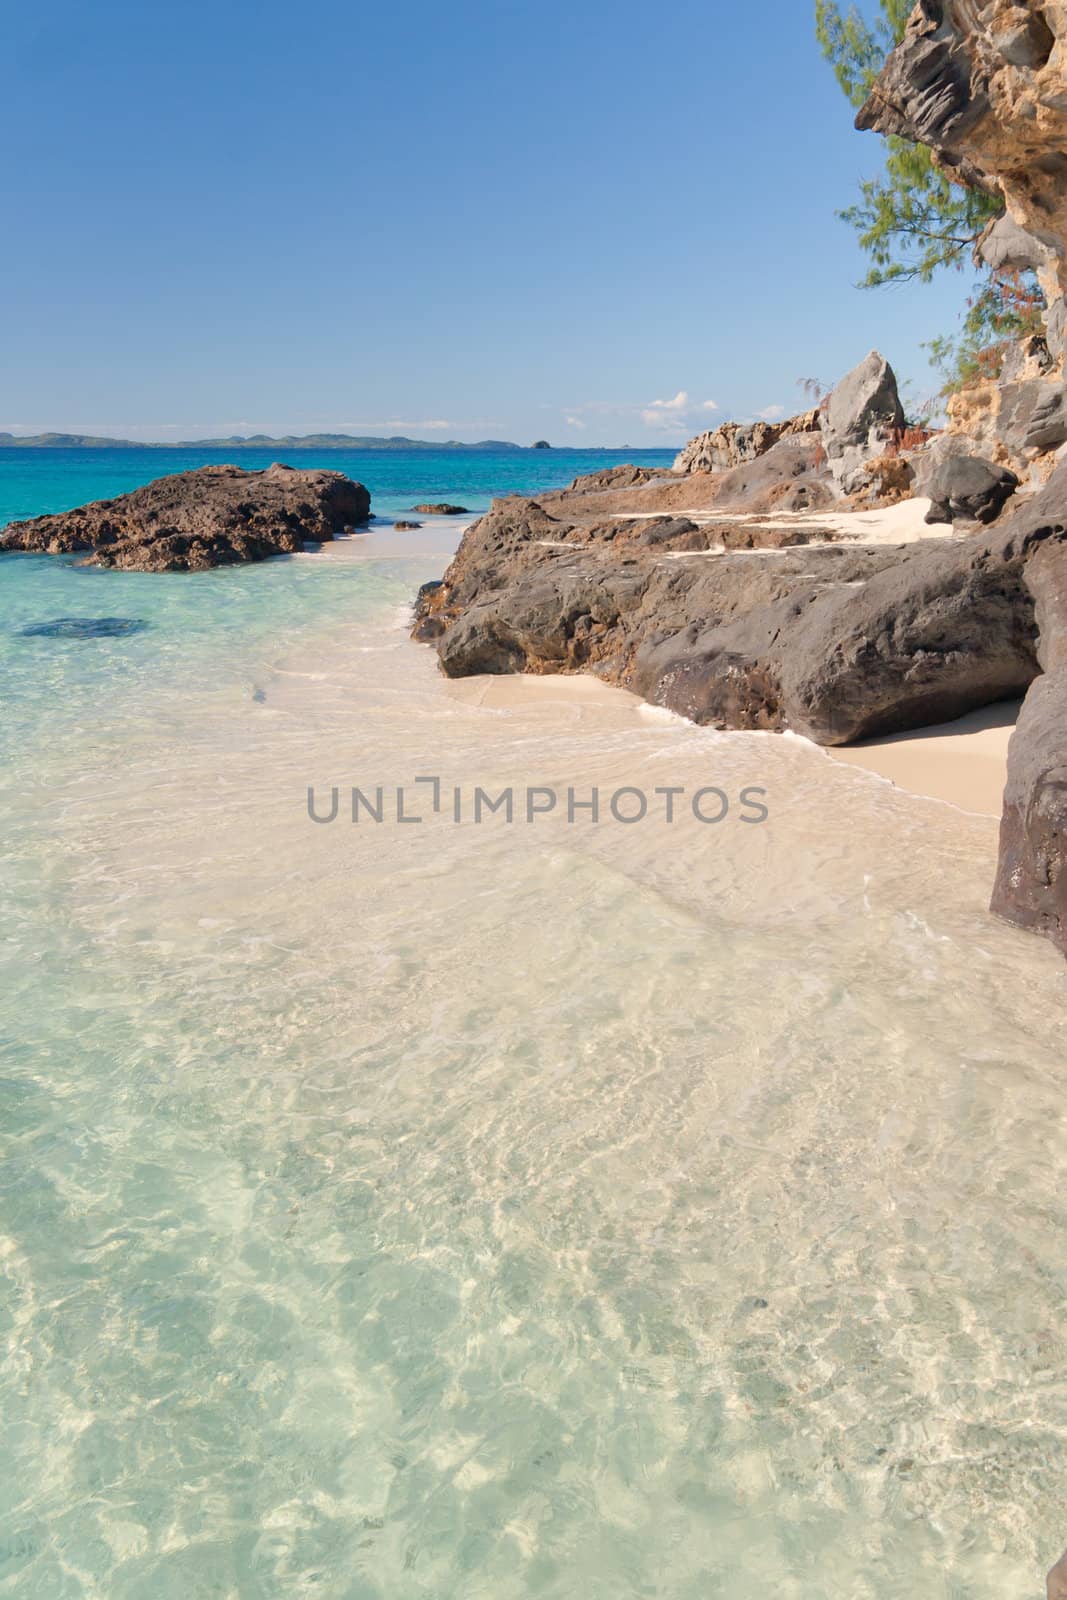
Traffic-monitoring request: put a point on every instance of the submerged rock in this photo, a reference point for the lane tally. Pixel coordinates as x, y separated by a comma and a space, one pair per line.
442, 510
83, 628
212, 517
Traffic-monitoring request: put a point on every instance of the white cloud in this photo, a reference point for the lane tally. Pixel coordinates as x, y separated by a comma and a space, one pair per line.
670, 421
676, 416
679, 404
771, 414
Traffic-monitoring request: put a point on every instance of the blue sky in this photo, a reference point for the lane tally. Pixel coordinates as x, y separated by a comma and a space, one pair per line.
584, 221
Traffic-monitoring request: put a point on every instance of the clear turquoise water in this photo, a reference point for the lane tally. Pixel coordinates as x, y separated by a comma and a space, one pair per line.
33, 482
488, 1212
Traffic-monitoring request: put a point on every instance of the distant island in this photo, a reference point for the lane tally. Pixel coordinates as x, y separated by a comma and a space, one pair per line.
255, 441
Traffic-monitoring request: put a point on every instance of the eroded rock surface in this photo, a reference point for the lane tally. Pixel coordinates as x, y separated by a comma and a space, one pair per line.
983, 83
190, 521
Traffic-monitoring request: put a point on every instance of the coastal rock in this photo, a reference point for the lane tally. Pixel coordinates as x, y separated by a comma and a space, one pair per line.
622, 477
790, 476
838, 643
983, 86
1032, 416
541, 444
406, 527
864, 402
442, 509
190, 521
733, 443
1057, 1580
1031, 887
968, 489
1005, 247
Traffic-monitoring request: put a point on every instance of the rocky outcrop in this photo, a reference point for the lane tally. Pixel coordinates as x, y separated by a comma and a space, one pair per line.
862, 418
1057, 1580
441, 509
190, 521
983, 83
1031, 888
968, 489
733, 443
838, 643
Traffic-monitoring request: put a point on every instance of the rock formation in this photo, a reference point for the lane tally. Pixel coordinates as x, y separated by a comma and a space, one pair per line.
733, 443
983, 83
212, 517
1031, 887
847, 447
968, 489
441, 509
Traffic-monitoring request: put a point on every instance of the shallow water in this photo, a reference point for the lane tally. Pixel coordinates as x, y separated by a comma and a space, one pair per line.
495, 1209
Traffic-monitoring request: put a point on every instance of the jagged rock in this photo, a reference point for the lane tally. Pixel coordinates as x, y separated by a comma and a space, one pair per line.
212, 517
1028, 358
983, 86
968, 489
1031, 886
623, 477
773, 480
1005, 247
927, 461
865, 401
883, 481
1032, 416
838, 643
733, 443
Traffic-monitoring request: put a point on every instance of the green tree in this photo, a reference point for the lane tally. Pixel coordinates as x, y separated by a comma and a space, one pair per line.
912, 219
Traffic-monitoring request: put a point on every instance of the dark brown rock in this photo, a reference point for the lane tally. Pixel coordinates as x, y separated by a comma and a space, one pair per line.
1057, 1580
190, 521
1031, 886
443, 509
406, 527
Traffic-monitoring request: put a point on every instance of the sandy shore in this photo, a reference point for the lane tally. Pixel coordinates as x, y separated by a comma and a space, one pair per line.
964, 762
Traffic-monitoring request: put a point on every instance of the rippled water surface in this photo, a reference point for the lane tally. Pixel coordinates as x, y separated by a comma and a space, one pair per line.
497, 1210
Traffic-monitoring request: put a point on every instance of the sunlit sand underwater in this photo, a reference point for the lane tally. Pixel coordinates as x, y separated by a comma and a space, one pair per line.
535, 1209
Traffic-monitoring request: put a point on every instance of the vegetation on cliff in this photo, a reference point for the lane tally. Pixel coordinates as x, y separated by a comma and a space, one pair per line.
913, 220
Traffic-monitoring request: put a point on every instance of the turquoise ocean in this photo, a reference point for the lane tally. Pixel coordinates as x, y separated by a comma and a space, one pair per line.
462, 1211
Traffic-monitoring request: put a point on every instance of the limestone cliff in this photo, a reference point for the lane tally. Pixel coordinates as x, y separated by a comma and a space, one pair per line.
983, 83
